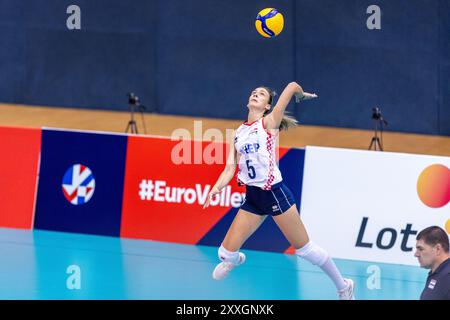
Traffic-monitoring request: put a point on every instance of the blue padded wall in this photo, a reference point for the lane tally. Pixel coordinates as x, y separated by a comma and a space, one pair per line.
202, 58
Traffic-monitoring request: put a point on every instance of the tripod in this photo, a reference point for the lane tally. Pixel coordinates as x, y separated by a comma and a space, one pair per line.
132, 126
375, 143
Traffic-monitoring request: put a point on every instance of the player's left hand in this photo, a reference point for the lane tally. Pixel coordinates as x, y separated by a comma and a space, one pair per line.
304, 96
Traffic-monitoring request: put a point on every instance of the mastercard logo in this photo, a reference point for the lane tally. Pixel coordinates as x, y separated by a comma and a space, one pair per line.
433, 187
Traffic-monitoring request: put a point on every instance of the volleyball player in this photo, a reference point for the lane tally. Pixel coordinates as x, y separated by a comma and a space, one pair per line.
266, 194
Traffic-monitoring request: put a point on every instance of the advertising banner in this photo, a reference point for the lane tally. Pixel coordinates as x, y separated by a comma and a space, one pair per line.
370, 206
164, 194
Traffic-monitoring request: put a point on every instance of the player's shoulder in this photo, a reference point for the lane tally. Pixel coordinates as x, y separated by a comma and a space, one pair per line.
240, 128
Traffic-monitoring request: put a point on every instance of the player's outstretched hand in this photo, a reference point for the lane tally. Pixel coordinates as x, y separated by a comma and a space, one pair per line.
214, 191
304, 96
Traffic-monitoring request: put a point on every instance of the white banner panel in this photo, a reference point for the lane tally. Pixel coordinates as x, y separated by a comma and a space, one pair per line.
367, 205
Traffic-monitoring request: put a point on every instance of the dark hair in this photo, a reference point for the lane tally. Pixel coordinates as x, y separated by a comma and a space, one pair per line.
287, 121
434, 235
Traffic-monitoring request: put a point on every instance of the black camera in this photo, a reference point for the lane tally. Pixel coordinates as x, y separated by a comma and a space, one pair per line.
133, 99
376, 113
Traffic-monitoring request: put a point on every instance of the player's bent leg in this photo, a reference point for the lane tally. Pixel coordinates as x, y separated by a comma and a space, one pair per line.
295, 232
243, 226
292, 227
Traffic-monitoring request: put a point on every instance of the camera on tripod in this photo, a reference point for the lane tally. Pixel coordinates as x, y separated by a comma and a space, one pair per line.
133, 102
379, 122
376, 113
133, 99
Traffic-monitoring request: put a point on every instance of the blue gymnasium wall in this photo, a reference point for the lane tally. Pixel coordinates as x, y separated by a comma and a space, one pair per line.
203, 57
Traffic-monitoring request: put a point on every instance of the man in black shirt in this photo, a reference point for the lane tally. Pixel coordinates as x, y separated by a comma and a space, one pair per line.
432, 250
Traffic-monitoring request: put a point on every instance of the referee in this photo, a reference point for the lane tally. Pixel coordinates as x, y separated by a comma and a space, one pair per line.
432, 251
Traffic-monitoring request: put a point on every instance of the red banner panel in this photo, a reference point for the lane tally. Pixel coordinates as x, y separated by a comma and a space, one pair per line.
164, 193
19, 161
166, 185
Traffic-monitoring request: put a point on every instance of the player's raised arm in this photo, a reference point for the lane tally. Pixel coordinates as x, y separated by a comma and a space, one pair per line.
273, 120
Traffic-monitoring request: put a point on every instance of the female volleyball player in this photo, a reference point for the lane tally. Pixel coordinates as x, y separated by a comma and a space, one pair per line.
266, 194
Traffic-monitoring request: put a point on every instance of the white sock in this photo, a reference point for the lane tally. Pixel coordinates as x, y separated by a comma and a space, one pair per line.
228, 256
333, 272
318, 256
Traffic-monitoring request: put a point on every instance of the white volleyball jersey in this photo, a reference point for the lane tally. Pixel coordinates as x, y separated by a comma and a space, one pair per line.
257, 159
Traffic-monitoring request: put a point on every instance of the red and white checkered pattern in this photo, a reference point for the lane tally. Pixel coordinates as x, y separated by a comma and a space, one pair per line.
270, 142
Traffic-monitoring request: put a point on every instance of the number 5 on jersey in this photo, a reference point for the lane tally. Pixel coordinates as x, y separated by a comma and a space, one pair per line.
251, 170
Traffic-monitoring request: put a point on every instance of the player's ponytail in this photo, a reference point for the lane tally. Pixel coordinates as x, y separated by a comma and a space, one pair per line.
287, 121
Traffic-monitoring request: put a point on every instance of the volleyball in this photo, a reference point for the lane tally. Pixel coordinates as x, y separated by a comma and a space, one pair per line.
269, 22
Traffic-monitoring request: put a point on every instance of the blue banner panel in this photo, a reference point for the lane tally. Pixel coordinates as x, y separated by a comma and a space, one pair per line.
81, 182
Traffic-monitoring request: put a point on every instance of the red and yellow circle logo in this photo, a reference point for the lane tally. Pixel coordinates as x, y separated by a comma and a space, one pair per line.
433, 186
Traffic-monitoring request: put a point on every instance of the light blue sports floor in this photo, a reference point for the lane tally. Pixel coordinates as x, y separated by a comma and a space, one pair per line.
37, 265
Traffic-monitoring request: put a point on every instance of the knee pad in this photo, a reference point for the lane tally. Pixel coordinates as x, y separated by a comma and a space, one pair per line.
228, 256
313, 253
